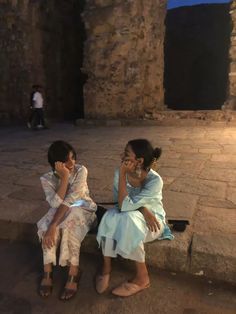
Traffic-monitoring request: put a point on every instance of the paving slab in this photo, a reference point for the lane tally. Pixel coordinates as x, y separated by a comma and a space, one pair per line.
224, 175
215, 202
179, 205
214, 256
223, 157
231, 194
199, 187
215, 220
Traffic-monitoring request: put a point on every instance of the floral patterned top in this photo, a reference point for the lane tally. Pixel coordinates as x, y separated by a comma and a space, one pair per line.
77, 193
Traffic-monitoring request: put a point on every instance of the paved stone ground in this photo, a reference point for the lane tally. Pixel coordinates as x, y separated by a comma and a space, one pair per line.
198, 166
170, 293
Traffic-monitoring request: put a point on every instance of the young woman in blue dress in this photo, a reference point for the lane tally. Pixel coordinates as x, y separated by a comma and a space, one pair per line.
137, 218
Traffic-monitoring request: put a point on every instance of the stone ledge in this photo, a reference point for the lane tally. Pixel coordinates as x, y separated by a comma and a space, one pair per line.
214, 256
167, 118
165, 254
171, 255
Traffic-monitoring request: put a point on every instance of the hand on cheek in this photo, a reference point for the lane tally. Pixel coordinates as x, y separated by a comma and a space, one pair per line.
127, 166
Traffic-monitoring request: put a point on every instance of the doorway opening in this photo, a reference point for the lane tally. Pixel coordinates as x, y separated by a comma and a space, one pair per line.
196, 50
63, 39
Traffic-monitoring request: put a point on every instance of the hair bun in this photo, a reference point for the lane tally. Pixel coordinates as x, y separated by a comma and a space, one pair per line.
157, 152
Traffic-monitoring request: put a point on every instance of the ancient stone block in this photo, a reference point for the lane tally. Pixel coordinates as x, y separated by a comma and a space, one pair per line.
215, 256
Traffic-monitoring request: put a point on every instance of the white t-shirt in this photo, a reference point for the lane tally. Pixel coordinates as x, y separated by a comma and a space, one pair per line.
38, 100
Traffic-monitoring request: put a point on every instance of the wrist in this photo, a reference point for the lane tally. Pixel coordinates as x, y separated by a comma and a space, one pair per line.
65, 177
53, 225
143, 210
122, 173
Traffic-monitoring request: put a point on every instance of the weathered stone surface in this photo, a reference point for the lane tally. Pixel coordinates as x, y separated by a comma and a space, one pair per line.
215, 256
199, 187
180, 205
7, 189
225, 175
29, 181
170, 154
123, 58
191, 168
9, 174
224, 158
210, 220
170, 254
21, 210
20, 231
210, 150
28, 193
231, 101
215, 202
27, 56
169, 172
231, 194
195, 156
220, 164
125, 74
167, 181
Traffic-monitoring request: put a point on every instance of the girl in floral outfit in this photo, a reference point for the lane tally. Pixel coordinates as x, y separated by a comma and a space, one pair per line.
70, 217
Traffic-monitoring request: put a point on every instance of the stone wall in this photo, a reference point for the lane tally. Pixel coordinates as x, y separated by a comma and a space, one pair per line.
123, 57
40, 44
231, 101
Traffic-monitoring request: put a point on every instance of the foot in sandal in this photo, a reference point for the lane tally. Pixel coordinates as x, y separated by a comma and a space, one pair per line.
45, 288
71, 288
127, 289
102, 283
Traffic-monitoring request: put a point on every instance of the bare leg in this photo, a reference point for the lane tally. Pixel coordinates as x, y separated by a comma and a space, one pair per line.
102, 280
141, 278
46, 283
139, 283
71, 286
106, 267
73, 271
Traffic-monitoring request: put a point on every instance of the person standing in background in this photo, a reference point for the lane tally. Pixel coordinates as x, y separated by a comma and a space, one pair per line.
36, 119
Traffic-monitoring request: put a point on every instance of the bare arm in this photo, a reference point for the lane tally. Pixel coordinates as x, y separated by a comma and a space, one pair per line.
151, 221
125, 167
122, 191
63, 173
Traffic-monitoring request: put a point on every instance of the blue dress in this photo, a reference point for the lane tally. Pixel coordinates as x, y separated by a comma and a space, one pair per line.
127, 226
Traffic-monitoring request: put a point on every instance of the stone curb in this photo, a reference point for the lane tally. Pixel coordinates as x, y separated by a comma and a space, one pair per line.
168, 118
188, 252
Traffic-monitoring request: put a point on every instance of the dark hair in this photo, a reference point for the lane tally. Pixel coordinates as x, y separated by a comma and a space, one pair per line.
144, 149
59, 151
36, 86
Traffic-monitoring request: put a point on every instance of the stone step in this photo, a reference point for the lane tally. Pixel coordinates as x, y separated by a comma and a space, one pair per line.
213, 256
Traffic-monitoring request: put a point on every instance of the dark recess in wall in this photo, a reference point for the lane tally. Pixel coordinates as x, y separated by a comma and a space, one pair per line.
63, 40
197, 42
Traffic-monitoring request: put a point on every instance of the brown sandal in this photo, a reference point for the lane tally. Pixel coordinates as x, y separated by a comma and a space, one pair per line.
45, 290
67, 294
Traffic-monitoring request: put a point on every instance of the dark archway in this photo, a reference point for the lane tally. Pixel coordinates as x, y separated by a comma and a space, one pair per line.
197, 42
63, 40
